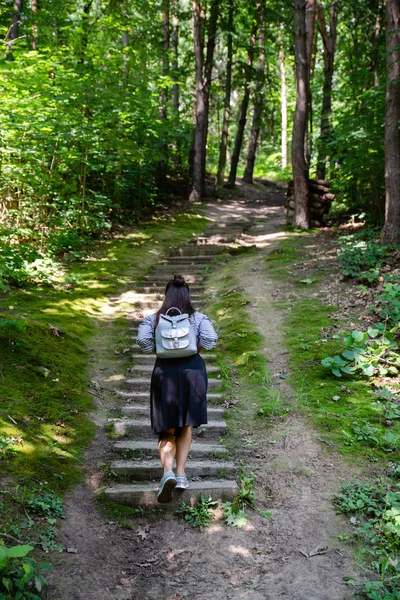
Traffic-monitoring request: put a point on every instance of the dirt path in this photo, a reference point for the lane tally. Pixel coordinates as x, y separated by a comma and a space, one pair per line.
163, 559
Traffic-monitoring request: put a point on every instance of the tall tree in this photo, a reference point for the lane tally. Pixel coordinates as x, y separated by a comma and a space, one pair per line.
311, 11
227, 103
165, 58
390, 233
34, 25
282, 69
203, 86
174, 59
15, 21
299, 162
329, 43
258, 100
243, 106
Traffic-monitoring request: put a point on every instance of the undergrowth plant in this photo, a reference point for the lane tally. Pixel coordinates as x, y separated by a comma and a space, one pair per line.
360, 256
21, 577
369, 353
373, 508
200, 514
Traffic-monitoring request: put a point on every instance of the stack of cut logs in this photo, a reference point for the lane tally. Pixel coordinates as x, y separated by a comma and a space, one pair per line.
320, 199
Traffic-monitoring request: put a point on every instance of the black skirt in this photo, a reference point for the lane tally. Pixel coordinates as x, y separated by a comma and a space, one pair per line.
178, 393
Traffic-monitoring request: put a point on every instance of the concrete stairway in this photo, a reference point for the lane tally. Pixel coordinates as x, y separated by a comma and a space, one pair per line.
209, 471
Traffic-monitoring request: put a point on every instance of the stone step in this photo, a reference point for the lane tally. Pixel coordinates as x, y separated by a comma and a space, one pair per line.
155, 305
160, 290
150, 470
146, 495
162, 279
146, 368
144, 396
188, 260
149, 448
143, 410
140, 384
193, 250
141, 429
145, 359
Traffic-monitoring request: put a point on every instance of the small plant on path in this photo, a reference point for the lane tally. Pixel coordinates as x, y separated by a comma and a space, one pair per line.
200, 514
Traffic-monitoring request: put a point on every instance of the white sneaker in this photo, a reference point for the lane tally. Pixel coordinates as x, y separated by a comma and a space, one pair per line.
181, 482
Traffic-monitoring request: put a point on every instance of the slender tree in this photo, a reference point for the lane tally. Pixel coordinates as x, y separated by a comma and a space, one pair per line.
165, 57
175, 57
299, 162
390, 233
243, 107
311, 11
258, 101
34, 25
284, 118
227, 103
329, 43
203, 86
14, 27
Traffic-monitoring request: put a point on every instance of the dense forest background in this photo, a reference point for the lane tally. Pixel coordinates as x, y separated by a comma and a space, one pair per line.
110, 107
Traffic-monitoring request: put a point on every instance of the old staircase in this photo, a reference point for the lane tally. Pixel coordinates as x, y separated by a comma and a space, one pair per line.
210, 472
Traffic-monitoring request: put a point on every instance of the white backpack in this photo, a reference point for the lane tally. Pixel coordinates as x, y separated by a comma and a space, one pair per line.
175, 337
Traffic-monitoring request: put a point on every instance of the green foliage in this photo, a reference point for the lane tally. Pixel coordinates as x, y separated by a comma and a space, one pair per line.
361, 256
368, 353
200, 514
389, 302
21, 577
374, 510
6, 445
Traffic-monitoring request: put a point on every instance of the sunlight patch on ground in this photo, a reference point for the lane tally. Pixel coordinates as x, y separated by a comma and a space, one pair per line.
239, 550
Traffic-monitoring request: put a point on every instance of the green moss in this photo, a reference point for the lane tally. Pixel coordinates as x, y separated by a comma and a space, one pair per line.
337, 407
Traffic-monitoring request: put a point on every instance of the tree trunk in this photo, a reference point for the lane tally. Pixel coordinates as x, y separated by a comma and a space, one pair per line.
34, 25
227, 104
283, 103
165, 58
203, 86
299, 163
243, 110
125, 45
329, 42
85, 31
390, 232
311, 11
174, 59
14, 28
258, 101
197, 148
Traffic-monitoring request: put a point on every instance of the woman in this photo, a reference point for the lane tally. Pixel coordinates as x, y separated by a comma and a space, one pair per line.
178, 392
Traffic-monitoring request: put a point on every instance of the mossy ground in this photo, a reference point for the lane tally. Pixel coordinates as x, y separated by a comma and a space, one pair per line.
335, 406
45, 357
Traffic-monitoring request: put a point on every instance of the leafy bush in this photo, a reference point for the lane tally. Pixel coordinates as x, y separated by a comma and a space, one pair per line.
389, 302
21, 578
375, 516
361, 256
367, 353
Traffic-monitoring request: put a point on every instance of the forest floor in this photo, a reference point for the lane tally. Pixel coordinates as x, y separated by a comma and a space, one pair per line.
297, 553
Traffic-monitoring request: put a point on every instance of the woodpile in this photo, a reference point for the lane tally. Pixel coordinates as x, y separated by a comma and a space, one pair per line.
320, 198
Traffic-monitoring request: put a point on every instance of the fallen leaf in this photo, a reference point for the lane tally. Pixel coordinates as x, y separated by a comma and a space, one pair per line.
142, 533
55, 330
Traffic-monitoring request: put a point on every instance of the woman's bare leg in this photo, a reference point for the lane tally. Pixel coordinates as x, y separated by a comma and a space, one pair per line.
167, 449
183, 443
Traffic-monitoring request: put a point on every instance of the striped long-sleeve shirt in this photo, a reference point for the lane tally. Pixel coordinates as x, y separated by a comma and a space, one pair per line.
205, 333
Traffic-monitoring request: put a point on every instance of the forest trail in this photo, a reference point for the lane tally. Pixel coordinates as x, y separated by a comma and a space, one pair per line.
162, 558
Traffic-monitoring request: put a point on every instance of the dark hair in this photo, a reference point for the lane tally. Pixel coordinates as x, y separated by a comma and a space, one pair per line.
176, 295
